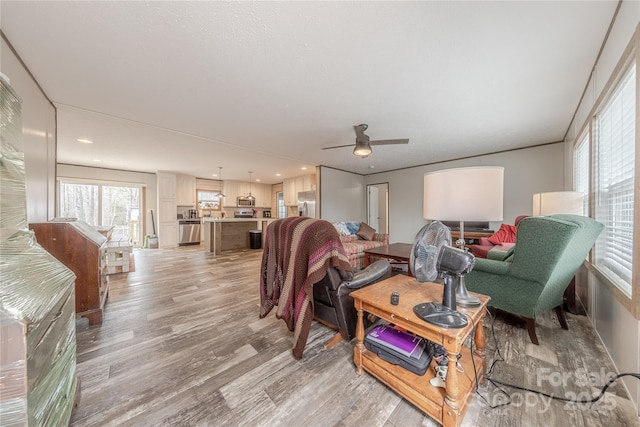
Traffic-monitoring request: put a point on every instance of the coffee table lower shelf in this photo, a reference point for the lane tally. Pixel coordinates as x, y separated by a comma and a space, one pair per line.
418, 390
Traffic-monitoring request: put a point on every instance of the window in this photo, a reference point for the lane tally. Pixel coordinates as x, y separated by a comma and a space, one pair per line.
614, 173
208, 201
80, 201
581, 171
98, 204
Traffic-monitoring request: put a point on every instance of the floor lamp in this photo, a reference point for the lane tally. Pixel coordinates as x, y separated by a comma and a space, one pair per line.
464, 194
558, 202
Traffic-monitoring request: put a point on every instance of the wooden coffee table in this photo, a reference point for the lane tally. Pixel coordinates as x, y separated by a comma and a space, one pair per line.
447, 406
399, 252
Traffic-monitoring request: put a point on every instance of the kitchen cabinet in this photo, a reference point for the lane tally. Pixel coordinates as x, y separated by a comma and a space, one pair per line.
292, 186
166, 221
166, 185
185, 190
244, 188
231, 193
289, 192
263, 195
233, 189
168, 234
166, 211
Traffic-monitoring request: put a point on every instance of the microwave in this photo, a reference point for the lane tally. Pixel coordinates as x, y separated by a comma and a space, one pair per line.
243, 201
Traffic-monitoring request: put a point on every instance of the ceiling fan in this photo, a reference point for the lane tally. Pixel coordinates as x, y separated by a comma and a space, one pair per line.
363, 144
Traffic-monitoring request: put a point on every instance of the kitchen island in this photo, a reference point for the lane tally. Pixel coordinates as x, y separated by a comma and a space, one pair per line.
232, 233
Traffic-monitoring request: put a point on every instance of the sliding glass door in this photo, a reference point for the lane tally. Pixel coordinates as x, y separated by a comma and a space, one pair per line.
104, 205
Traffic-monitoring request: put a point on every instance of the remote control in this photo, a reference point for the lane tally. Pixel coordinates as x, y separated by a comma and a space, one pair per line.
395, 298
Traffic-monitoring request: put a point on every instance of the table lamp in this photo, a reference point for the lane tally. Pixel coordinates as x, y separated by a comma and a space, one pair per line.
464, 194
558, 202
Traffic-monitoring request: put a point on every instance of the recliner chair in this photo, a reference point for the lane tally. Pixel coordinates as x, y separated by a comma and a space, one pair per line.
306, 273
532, 280
332, 304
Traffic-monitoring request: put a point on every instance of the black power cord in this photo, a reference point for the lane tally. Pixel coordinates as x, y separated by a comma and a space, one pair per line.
498, 383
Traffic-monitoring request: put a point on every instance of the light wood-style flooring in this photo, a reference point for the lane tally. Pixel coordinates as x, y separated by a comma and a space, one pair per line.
182, 345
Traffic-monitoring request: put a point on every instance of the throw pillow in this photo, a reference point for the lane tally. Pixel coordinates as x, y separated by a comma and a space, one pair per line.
506, 234
366, 232
341, 228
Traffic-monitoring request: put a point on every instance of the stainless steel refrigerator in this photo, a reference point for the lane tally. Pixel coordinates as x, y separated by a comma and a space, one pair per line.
307, 204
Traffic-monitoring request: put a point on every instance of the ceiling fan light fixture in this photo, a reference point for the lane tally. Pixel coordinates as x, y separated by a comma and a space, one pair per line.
362, 149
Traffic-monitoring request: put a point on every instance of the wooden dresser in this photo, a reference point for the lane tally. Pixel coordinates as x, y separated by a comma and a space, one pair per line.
82, 249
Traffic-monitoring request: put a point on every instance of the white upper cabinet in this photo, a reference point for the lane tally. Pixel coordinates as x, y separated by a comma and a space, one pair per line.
166, 185
233, 189
292, 186
231, 193
185, 190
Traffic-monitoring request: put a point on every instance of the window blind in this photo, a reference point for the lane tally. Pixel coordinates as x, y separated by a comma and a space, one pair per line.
581, 171
614, 182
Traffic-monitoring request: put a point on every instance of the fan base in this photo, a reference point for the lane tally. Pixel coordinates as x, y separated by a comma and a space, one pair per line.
463, 297
439, 315
467, 301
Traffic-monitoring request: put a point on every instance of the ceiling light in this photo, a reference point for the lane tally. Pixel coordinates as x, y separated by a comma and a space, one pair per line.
278, 174
220, 193
97, 160
250, 196
304, 168
85, 141
362, 149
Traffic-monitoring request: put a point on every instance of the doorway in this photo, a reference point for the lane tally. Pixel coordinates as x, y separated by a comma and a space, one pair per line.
378, 207
99, 204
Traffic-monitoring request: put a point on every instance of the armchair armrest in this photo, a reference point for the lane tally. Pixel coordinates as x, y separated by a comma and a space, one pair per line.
501, 252
381, 237
378, 270
492, 266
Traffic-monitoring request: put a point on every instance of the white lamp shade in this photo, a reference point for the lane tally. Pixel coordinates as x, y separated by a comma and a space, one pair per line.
558, 202
464, 194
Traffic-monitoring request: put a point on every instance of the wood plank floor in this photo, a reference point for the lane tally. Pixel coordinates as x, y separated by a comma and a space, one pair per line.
182, 345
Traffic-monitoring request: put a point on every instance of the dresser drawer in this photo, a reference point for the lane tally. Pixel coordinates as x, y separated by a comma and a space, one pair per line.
60, 334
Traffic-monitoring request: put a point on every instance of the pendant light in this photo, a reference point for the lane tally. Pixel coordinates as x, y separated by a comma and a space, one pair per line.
220, 193
250, 197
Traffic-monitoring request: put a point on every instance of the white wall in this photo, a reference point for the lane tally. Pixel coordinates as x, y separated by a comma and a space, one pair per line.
38, 138
342, 195
618, 329
146, 180
526, 172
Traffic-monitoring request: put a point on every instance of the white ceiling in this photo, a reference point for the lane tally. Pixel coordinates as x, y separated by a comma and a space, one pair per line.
263, 86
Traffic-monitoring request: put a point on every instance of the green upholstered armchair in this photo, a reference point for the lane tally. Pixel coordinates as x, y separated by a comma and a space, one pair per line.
548, 252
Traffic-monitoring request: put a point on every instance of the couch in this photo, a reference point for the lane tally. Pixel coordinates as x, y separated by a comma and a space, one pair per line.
357, 237
499, 244
548, 252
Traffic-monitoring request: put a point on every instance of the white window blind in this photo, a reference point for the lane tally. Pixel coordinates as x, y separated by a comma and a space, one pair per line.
581, 171
614, 182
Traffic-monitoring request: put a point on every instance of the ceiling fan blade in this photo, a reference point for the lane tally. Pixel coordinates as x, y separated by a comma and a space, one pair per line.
338, 146
389, 141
